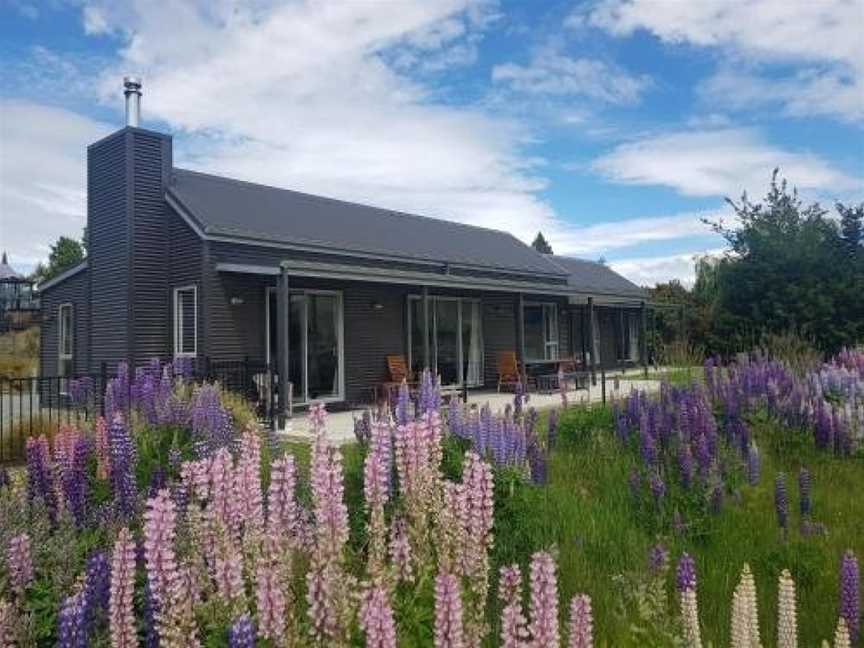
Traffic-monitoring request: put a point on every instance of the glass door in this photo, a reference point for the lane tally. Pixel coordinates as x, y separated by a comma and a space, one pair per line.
322, 346
447, 348
456, 343
315, 355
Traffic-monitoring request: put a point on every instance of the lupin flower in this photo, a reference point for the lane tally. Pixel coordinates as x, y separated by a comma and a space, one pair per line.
850, 583
753, 464
686, 584
97, 585
745, 612
211, 423
228, 571
40, 482
787, 622
7, 624
121, 613
122, 467
331, 514
658, 559
804, 492
544, 601
781, 504
282, 514
72, 623
513, 623
247, 483
376, 620
400, 551
448, 612
581, 622
19, 563
841, 635
159, 536
658, 488
242, 633
376, 488
269, 595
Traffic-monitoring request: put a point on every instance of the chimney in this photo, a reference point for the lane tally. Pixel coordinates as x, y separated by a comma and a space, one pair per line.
132, 91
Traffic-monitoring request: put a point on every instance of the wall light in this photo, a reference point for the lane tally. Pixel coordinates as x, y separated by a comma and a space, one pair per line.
237, 301
376, 306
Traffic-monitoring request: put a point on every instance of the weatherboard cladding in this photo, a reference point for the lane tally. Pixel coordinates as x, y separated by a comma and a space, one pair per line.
151, 160
231, 208
72, 291
108, 231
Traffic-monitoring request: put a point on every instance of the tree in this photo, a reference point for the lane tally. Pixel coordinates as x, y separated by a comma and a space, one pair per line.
65, 254
541, 244
787, 271
852, 226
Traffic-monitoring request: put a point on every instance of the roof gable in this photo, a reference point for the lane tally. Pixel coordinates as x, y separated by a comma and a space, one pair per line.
247, 211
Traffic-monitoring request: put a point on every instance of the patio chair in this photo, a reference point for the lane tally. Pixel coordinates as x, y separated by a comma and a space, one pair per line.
508, 370
399, 372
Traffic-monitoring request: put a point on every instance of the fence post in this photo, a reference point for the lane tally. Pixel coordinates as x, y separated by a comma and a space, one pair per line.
603, 384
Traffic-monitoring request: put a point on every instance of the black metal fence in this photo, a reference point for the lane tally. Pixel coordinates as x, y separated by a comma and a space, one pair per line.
31, 406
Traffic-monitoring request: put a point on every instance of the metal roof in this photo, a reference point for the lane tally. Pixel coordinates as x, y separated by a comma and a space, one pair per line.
243, 211
591, 277
7, 272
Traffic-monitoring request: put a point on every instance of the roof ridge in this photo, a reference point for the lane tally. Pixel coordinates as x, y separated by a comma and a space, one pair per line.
394, 212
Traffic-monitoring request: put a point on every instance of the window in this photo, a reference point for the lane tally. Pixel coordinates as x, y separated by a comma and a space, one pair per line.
65, 345
455, 339
541, 331
186, 321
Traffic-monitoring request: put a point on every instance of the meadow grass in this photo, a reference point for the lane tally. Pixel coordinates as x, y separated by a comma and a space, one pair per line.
587, 513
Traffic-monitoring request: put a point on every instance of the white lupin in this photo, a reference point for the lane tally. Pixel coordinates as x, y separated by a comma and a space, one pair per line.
841, 635
787, 622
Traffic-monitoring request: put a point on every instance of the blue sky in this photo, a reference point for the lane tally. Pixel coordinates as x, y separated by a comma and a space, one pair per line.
613, 126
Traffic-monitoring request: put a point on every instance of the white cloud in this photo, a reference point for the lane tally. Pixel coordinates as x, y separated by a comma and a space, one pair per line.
720, 162
593, 241
551, 72
42, 177
308, 96
649, 271
823, 38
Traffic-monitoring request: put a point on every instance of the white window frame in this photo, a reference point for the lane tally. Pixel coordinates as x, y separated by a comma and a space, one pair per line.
549, 314
70, 333
433, 333
178, 322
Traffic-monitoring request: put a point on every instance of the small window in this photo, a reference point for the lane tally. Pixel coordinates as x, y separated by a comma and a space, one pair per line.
186, 321
66, 342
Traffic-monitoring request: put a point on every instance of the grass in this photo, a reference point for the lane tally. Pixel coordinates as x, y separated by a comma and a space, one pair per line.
19, 353
586, 512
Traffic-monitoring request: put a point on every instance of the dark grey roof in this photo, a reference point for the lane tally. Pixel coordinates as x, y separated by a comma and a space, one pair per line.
7, 272
592, 277
231, 208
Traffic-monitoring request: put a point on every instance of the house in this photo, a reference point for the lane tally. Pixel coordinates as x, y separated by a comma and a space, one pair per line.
189, 265
19, 303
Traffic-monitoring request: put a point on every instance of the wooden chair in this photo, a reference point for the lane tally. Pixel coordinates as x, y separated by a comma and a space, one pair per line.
399, 372
508, 370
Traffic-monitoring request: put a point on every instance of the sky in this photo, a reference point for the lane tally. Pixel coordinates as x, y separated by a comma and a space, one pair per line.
615, 127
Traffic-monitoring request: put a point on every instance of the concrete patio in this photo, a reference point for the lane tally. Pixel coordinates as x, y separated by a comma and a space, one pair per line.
340, 425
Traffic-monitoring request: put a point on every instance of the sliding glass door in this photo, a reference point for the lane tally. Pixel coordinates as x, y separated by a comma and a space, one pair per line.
455, 339
315, 354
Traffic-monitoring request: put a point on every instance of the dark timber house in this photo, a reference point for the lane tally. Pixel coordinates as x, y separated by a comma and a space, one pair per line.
184, 264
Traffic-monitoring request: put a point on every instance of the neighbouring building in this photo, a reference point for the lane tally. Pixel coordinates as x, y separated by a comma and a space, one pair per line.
19, 302
184, 264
